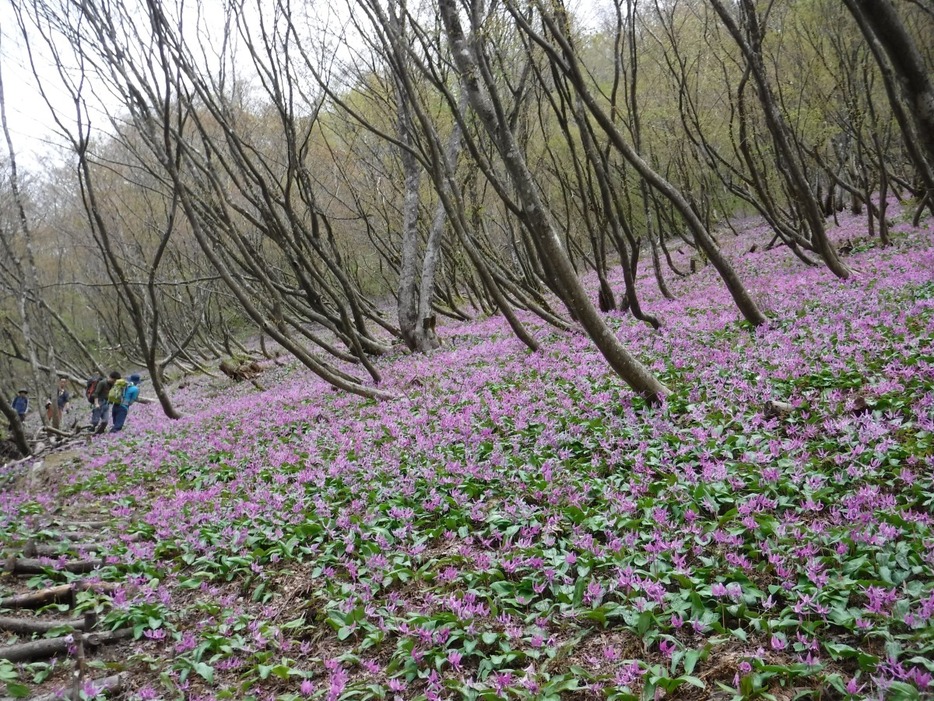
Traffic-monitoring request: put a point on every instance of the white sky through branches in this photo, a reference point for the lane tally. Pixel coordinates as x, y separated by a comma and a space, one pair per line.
32, 126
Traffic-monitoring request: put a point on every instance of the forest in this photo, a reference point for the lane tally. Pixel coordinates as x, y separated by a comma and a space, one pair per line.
491, 349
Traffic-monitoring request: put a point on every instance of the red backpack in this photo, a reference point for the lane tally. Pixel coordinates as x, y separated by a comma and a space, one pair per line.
90, 388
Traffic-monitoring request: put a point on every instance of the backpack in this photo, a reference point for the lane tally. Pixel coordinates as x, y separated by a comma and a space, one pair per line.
90, 388
115, 395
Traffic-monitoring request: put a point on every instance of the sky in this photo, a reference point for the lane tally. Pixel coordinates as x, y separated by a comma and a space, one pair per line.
27, 114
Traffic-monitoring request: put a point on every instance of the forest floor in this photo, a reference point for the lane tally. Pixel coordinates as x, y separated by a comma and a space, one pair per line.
520, 526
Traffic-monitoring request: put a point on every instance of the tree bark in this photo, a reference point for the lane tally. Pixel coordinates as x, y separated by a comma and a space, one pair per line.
886, 36
908, 64
51, 595
16, 428
43, 649
29, 626
26, 565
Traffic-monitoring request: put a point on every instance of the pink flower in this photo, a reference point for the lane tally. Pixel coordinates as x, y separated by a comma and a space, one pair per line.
853, 686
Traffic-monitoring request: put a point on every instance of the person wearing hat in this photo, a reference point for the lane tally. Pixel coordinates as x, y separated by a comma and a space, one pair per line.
130, 395
20, 404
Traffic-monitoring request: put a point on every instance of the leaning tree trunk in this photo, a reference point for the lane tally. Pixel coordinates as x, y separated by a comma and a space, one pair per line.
882, 27
786, 158
16, 428
568, 64
908, 64
537, 218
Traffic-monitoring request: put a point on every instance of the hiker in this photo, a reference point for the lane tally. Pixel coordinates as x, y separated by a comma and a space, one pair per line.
64, 396
128, 391
20, 403
100, 415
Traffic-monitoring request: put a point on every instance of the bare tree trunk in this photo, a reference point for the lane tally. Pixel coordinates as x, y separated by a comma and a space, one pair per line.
568, 64
887, 38
408, 302
636, 129
787, 160
30, 285
887, 27
16, 427
537, 217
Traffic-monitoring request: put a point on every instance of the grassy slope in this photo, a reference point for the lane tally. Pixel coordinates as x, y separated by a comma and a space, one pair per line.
517, 526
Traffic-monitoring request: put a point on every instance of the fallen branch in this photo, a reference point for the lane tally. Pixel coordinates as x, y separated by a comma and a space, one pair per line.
54, 595
75, 536
58, 432
28, 565
43, 649
243, 371
82, 524
33, 549
29, 626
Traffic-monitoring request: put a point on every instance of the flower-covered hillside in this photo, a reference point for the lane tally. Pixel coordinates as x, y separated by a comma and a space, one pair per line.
519, 526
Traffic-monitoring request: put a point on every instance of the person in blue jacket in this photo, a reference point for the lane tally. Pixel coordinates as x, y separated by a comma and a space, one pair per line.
120, 411
20, 404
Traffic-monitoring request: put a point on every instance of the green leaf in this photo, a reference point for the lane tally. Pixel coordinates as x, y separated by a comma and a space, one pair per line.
924, 661
690, 660
205, 671
693, 681
16, 690
839, 651
900, 691
646, 619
